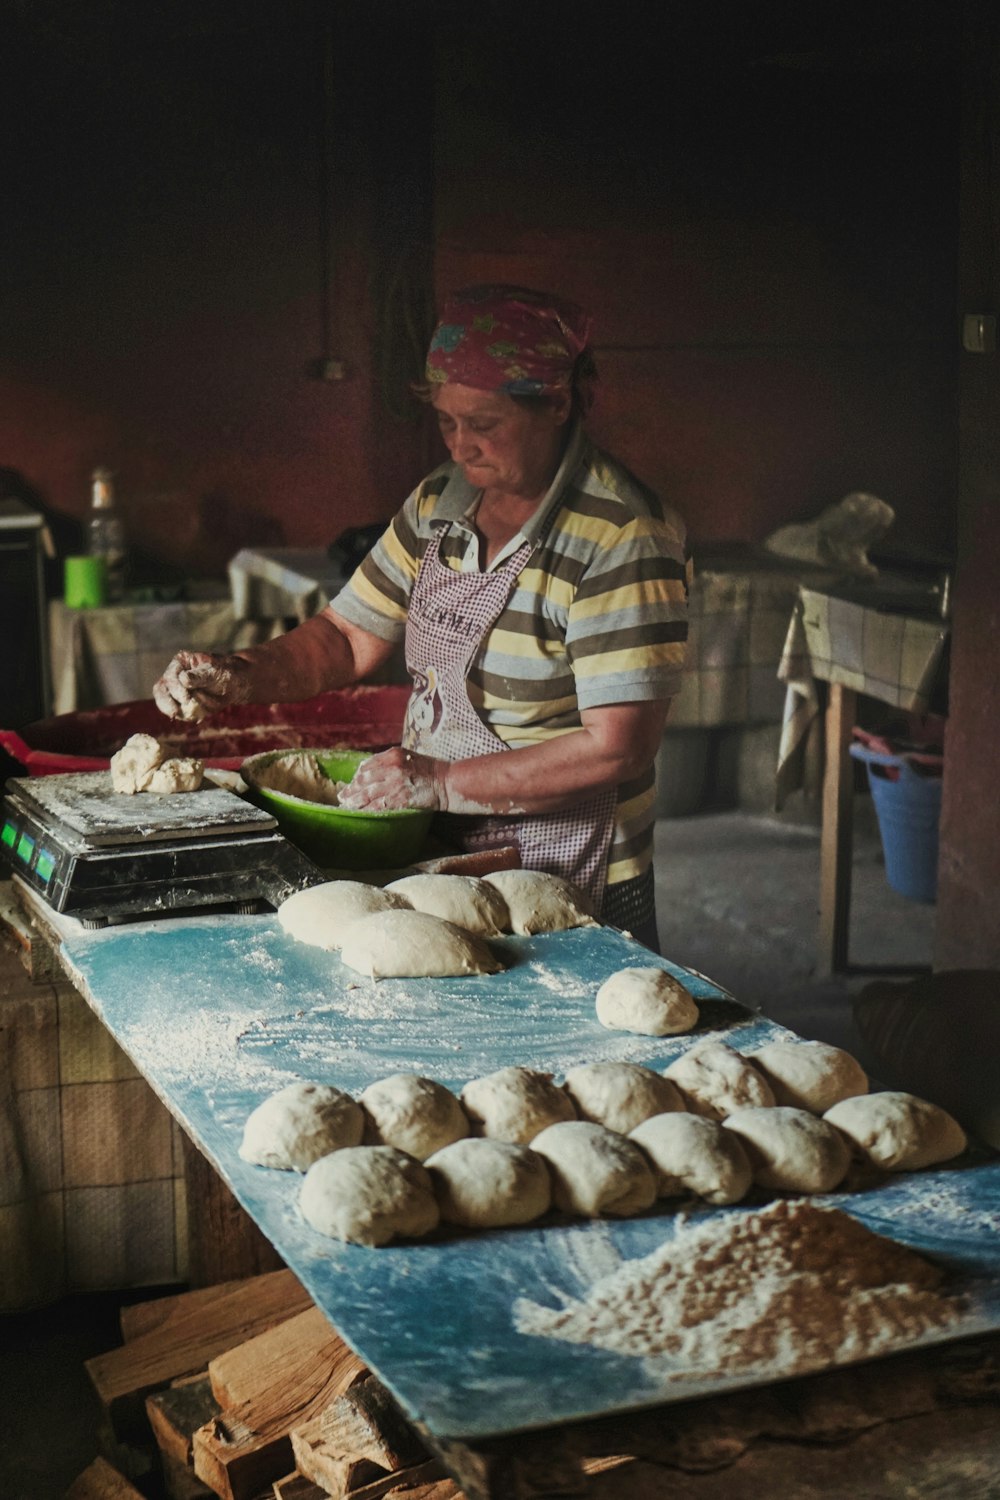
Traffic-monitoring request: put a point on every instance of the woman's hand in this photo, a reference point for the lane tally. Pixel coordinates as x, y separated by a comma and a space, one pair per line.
397, 778
197, 683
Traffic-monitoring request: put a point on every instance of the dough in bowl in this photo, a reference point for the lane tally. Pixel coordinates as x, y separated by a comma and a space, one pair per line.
810, 1075
484, 1184
465, 900
514, 1104
898, 1131
369, 1195
299, 1124
413, 945
414, 1114
648, 1001
321, 914
715, 1079
595, 1171
694, 1156
619, 1094
538, 902
791, 1150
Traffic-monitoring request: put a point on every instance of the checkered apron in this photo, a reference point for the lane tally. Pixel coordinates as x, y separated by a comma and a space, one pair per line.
450, 615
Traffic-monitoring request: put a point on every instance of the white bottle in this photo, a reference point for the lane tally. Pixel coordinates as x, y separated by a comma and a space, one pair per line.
105, 532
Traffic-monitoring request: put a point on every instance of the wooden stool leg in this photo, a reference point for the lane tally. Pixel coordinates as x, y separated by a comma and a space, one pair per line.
224, 1243
837, 830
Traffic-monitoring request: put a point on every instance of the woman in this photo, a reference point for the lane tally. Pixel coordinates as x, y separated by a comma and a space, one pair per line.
540, 590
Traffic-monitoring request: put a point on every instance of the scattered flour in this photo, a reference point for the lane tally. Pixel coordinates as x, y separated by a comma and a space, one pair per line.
785, 1289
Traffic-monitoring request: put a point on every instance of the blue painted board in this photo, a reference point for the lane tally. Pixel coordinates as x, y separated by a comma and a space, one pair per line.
219, 1011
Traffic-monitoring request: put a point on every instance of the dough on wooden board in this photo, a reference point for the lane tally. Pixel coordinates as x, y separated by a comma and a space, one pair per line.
791, 1150
619, 1094
648, 1001
715, 1079
416, 1115
299, 1124
321, 914
694, 1156
595, 1170
486, 1184
369, 1195
413, 945
810, 1075
898, 1131
538, 902
470, 903
514, 1104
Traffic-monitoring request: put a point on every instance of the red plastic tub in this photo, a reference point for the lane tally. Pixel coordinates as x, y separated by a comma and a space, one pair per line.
361, 718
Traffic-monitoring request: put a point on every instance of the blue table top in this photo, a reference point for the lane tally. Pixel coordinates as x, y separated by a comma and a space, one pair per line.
217, 1012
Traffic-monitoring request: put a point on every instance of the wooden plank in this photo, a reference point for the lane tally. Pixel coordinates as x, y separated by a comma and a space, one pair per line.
185, 1342
304, 1344
290, 1379
142, 1317
297, 1487
223, 1240
176, 1414
364, 1423
836, 840
99, 1481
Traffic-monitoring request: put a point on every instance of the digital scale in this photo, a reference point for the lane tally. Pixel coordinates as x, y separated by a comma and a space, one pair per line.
101, 856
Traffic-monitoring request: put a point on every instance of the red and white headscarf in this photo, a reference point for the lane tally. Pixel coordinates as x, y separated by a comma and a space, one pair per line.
509, 339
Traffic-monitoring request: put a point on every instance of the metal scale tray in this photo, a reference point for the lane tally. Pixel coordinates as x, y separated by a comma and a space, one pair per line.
99, 855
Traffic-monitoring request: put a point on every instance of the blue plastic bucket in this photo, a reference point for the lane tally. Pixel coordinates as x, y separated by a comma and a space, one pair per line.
908, 808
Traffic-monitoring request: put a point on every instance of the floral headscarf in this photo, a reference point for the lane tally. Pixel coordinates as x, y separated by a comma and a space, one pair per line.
509, 339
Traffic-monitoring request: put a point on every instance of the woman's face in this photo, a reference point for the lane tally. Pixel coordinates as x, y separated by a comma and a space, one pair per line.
502, 445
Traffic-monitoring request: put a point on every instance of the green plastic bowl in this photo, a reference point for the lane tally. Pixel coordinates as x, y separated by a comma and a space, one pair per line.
339, 838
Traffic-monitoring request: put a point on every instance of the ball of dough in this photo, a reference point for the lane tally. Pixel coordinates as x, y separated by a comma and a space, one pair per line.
411, 944
299, 1124
595, 1170
692, 1155
715, 1079
514, 1104
810, 1075
416, 1115
484, 1184
470, 903
648, 1001
322, 914
790, 1150
180, 774
537, 902
299, 775
369, 1195
133, 765
619, 1094
897, 1131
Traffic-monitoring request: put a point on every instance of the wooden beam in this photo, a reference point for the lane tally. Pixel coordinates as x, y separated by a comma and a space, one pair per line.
836, 840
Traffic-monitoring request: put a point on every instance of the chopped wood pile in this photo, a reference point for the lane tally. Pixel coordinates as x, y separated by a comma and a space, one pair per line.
244, 1391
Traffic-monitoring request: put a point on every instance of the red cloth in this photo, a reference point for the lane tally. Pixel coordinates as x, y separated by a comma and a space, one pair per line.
508, 338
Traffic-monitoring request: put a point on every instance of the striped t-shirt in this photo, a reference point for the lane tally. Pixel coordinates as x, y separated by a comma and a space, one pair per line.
598, 614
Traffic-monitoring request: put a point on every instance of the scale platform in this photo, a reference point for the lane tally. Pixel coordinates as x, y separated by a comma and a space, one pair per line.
101, 856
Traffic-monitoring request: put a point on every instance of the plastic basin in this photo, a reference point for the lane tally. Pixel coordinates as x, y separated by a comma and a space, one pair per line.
339, 837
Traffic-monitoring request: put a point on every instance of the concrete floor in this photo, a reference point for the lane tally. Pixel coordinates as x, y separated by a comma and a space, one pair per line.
737, 898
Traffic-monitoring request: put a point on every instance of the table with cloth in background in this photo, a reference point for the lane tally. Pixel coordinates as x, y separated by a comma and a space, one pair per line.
883, 641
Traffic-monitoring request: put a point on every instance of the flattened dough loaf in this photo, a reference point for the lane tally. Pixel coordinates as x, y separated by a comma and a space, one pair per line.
538, 902
715, 1079
898, 1131
619, 1094
791, 1150
692, 1155
470, 903
411, 944
369, 1195
810, 1075
595, 1170
648, 1001
322, 914
514, 1104
416, 1115
299, 1124
484, 1184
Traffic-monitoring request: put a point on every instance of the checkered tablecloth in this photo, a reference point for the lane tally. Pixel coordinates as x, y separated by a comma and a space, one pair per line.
895, 657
